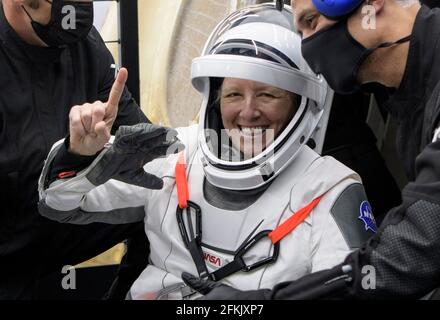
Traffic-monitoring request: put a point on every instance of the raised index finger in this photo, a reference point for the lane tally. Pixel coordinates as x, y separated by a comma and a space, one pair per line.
116, 92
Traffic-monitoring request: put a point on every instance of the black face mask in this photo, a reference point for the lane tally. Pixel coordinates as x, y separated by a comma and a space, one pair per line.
59, 32
335, 54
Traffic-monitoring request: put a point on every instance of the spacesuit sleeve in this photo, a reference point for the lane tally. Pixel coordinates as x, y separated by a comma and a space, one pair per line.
78, 201
341, 223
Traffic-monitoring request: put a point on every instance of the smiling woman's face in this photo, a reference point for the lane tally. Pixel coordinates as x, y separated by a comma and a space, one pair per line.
254, 114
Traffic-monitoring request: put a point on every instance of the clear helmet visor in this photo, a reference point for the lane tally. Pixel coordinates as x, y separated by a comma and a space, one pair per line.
245, 117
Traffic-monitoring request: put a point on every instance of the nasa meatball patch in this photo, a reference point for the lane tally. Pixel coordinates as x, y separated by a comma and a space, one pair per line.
366, 216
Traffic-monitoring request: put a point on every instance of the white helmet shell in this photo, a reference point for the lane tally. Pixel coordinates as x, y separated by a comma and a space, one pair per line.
276, 60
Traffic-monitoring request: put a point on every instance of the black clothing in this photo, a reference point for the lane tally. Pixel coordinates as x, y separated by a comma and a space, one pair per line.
405, 253
38, 88
414, 104
349, 140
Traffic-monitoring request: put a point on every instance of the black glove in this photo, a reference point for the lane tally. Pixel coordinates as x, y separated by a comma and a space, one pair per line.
325, 284
134, 146
218, 291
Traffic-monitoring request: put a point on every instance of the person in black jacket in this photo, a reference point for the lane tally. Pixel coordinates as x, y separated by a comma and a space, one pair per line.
47, 67
403, 258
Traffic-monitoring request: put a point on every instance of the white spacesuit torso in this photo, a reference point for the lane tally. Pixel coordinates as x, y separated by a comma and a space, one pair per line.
224, 231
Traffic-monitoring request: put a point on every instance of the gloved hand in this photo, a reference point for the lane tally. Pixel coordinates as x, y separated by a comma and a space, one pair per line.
134, 146
217, 291
324, 284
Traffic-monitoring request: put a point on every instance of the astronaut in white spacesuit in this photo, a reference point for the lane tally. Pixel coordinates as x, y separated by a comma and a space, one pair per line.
248, 202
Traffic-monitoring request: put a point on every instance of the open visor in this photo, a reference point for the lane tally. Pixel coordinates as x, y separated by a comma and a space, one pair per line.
260, 70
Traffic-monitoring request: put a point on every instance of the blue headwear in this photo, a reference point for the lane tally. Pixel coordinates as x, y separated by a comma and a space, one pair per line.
336, 9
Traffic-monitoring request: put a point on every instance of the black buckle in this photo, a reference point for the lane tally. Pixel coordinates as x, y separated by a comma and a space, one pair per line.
193, 238
238, 264
248, 245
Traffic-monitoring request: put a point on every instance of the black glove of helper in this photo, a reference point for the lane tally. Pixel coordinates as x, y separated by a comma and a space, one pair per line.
134, 146
218, 291
326, 284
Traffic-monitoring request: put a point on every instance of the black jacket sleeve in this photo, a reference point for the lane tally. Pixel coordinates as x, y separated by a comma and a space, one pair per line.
405, 253
65, 161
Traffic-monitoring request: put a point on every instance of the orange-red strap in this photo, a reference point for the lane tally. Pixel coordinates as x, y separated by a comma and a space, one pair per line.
294, 221
182, 182
67, 174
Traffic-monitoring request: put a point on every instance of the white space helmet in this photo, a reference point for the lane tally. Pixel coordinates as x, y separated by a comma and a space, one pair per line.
257, 43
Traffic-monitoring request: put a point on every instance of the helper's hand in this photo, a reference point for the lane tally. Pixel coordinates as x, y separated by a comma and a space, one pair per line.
134, 146
90, 124
218, 291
